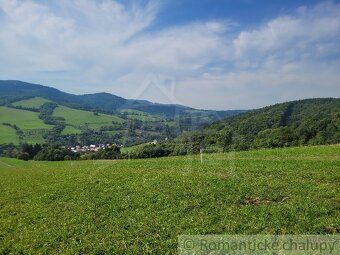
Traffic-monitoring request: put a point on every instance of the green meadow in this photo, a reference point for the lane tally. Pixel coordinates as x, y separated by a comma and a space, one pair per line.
132, 148
33, 128
141, 206
35, 102
8, 135
79, 118
23, 119
70, 130
139, 115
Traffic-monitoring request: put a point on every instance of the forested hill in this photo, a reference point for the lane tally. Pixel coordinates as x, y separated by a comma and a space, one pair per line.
304, 122
11, 91
105, 102
311, 121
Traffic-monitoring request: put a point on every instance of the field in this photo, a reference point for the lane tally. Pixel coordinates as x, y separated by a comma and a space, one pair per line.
79, 118
35, 102
8, 135
69, 130
132, 148
23, 119
140, 206
33, 127
138, 115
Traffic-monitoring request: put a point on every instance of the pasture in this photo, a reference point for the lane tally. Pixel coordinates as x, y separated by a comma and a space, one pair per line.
33, 128
23, 119
8, 135
35, 102
79, 118
139, 115
70, 130
141, 206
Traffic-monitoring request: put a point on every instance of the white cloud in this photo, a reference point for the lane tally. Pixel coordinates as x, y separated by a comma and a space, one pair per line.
299, 32
100, 43
90, 46
291, 57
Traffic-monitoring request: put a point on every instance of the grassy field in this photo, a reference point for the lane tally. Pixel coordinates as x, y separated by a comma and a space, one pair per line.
35, 102
69, 130
78, 118
138, 115
140, 206
33, 127
132, 148
8, 135
35, 136
23, 119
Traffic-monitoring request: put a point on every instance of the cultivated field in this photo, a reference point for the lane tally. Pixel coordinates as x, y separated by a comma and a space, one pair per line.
140, 206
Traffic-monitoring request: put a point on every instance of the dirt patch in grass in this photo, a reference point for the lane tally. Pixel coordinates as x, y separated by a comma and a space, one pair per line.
257, 201
250, 200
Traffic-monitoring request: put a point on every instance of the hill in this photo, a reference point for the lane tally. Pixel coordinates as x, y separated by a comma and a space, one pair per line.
12, 91
303, 122
21, 125
66, 119
311, 121
141, 206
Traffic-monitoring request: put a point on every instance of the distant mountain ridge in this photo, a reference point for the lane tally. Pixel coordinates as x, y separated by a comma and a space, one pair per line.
98, 101
12, 90
38, 114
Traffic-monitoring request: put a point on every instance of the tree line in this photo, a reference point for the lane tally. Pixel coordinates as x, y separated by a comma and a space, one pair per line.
40, 152
298, 123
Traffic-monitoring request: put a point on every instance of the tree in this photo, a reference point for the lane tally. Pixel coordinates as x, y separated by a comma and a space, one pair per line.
23, 156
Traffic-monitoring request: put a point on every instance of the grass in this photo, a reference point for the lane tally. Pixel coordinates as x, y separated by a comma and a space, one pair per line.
29, 122
79, 118
35, 102
69, 130
141, 206
35, 136
23, 119
139, 115
132, 148
8, 135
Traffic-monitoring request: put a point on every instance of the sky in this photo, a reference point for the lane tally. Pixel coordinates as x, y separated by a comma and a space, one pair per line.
207, 54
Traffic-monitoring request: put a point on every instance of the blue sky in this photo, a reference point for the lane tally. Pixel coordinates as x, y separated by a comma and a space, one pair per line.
244, 12
212, 54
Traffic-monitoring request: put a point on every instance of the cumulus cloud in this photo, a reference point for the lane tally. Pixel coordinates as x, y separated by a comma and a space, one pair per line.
290, 57
99, 44
90, 46
304, 30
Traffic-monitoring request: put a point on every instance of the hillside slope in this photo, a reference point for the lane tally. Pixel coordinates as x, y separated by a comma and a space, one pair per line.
93, 118
89, 206
303, 122
21, 125
311, 121
11, 91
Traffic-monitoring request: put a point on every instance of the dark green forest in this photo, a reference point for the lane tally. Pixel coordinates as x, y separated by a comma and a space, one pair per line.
297, 123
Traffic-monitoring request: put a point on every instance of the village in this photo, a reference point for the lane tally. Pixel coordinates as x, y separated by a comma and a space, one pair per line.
90, 148
96, 147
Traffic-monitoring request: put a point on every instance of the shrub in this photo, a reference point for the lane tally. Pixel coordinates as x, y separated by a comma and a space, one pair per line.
23, 156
